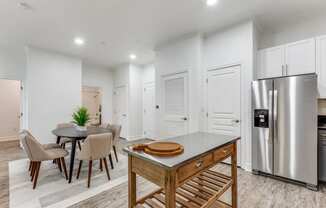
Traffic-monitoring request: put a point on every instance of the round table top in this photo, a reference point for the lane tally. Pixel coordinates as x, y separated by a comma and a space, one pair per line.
72, 132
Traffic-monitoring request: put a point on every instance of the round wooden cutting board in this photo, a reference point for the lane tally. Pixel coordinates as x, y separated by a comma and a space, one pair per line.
164, 149
163, 146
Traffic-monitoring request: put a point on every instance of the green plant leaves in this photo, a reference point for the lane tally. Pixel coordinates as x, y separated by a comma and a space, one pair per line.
81, 116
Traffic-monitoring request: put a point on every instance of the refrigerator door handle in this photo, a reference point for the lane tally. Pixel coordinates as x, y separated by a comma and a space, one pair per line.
275, 115
270, 107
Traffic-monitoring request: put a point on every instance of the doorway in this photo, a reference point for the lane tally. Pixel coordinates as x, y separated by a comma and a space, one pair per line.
149, 109
175, 105
92, 100
120, 109
224, 102
10, 104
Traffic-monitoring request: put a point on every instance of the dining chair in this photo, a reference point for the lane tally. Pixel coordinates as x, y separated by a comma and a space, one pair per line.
95, 147
116, 131
37, 154
63, 140
24, 132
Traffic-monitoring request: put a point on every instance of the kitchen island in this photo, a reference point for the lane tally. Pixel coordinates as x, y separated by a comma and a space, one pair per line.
186, 179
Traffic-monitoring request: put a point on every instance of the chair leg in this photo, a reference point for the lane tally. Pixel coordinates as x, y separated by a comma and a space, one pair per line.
33, 170
90, 164
115, 153
37, 170
79, 168
59, 164
79, 145
63, 163
30, 166
106, 168
111, 161
101, 166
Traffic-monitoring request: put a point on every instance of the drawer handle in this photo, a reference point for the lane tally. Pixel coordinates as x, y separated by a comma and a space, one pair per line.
225, 151
199, 164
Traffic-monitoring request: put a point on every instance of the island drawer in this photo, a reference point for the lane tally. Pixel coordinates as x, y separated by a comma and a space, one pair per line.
193, 167
223, 153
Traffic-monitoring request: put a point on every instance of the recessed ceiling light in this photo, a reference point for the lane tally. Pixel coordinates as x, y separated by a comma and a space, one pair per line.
211, 2
79, 41
132, 56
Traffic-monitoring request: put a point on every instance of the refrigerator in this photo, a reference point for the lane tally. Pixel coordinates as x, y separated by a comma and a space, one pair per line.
284, 134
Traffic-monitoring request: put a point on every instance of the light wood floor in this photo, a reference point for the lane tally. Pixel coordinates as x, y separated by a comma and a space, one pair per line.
254, 191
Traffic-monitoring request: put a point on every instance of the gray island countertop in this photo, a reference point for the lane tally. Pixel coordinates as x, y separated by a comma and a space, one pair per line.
195, 144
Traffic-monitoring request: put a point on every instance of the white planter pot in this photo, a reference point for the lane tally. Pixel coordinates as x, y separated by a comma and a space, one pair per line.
81, 128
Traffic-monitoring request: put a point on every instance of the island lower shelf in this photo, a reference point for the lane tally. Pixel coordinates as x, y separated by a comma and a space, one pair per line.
202, 190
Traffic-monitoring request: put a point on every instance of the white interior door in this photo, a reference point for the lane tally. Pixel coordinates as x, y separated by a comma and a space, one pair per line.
224, 102
10, 108
120, 109
175, 105
91, 99
149, 109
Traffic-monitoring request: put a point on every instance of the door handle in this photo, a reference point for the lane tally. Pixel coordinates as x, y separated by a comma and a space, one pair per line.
185, 118
270, 115
275, 115
236, 121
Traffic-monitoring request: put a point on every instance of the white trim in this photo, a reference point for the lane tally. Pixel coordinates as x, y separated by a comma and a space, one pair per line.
212, 68
133, 138
148, 84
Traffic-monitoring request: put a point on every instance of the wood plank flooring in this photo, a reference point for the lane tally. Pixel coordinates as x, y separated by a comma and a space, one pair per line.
254, 191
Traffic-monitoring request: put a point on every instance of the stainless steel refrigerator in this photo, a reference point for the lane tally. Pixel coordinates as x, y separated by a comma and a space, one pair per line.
285, 118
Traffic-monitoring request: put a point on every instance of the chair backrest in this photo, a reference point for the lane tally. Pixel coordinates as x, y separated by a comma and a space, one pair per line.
65, 125
22, 136
97, 146
32, 147
116, 131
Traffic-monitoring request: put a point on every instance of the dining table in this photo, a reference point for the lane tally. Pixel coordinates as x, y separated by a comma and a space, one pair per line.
74, 134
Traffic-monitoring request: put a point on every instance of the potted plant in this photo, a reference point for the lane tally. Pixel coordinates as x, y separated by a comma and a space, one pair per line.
80, 118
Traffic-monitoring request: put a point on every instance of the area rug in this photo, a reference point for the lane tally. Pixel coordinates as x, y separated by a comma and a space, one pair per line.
53, 191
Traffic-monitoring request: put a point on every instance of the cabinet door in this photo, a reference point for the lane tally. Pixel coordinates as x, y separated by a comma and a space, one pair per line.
300, 57
321, 65
270, 63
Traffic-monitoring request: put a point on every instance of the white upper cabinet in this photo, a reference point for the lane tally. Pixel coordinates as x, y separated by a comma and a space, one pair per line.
287, 60
270, 62
321, 65
300, 57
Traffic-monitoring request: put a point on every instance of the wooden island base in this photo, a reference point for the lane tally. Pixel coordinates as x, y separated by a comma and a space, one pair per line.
186, 180
200, 191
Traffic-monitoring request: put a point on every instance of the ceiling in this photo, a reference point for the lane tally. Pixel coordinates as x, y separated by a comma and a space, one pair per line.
115, 28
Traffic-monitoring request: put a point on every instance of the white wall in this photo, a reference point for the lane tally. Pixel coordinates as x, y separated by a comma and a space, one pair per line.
121, 75
148, 73
135, 102
183, 55
294, 32
234, 45
12, 63
53, 84
96, 76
